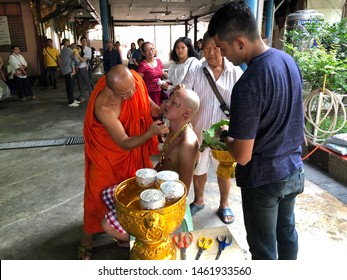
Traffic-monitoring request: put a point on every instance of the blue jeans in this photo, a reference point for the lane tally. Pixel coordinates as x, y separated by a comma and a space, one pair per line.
269, 218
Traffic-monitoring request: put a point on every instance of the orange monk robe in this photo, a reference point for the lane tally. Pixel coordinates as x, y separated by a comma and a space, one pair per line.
107, 164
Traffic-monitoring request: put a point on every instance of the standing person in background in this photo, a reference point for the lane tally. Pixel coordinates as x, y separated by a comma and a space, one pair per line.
117, 48
265, 133
2, 72
83, 78
10, 78
151, 70
130, 53
224, 74
137, 55
183, 57
19, 69
199, 49
110, 57
51, 60
119, 139
68, 71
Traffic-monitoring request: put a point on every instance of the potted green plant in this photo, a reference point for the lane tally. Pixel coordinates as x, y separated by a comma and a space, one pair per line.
320, 50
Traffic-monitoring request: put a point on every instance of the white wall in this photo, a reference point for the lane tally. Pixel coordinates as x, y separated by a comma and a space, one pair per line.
332, 9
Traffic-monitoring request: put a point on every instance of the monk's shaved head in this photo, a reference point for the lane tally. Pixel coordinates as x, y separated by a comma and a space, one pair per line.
119, 79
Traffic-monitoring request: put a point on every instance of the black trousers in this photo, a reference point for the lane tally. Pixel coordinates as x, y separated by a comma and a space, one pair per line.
23, 86
70, 85
51, 77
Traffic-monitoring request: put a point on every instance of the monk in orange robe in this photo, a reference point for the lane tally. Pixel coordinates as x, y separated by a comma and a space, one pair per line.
120, 137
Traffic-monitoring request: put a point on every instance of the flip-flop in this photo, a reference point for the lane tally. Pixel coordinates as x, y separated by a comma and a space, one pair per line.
84, 252
194, 208
224, 213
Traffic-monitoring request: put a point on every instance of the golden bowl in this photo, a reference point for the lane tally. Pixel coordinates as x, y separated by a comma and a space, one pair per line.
227, 163
151, 228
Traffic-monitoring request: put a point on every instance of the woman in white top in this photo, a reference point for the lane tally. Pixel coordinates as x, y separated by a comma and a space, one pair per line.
184, 57
131, 64
20, 75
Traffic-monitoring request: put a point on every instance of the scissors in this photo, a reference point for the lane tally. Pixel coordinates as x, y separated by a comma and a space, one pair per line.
224, 241
183, 241
203, 244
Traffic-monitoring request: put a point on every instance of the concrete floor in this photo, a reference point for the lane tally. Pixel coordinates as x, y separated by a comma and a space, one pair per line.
41, 199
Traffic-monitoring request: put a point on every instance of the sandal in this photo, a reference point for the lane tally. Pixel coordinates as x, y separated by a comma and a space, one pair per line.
84, 252
34, 98
194, 208
223, 214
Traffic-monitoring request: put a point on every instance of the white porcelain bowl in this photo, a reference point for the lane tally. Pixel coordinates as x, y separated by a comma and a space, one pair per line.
152, 199
172, 190
166, 175
146, 177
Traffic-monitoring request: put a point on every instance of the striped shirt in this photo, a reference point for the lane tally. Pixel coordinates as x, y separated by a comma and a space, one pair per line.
209, 111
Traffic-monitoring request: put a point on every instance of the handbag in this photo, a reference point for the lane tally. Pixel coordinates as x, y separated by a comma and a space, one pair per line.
223, 105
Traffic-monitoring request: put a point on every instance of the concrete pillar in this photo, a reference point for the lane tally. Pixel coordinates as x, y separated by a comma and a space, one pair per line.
104, 21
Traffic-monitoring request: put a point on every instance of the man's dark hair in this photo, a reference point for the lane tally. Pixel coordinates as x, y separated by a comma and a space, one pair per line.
140, 39
191, 51
82, 38
232, 20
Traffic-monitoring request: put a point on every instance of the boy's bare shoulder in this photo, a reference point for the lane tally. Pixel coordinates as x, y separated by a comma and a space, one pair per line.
190, 138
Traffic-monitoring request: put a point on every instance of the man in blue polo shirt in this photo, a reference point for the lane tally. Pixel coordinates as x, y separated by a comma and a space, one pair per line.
111, 57
137, 55
265, 133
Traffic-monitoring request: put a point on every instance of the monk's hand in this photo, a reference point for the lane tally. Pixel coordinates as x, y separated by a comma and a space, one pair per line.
158, 128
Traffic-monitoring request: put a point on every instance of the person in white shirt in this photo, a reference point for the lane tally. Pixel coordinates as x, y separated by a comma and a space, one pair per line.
83, 78
225, 75
18, 68
183, 58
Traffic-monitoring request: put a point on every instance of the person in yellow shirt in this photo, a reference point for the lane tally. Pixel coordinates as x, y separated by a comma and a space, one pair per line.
52, 61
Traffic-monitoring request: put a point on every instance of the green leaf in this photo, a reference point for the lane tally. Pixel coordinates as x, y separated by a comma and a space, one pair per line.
209, 137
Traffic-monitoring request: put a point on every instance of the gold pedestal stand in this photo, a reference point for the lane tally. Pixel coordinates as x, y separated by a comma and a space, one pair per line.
227, 164
151, 228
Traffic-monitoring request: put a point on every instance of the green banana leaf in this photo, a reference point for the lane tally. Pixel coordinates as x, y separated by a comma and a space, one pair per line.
209, 137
